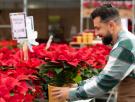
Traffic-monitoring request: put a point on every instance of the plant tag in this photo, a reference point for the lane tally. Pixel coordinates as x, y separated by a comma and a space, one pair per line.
49, 42
18, 25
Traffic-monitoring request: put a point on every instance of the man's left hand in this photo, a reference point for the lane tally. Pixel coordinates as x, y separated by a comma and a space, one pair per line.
61, 93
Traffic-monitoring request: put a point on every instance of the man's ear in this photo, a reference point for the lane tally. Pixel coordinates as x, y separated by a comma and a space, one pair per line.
111, 25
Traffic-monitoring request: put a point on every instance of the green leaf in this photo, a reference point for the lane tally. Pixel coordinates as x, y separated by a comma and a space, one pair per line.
58, 70
77, 79
12, 94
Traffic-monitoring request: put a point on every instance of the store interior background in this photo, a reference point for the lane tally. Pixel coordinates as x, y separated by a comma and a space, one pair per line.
58, 17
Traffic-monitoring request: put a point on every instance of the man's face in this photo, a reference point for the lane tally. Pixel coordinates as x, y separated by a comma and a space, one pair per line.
102, 30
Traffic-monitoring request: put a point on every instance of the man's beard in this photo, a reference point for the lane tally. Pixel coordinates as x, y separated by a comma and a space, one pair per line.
107, 40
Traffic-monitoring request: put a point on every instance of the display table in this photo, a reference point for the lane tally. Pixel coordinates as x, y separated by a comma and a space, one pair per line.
103, 98
89, 100
75, 44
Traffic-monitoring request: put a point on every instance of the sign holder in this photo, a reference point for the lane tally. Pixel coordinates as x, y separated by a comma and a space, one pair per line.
19, 32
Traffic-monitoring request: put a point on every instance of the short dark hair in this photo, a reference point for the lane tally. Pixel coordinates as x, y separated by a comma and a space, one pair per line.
105, 12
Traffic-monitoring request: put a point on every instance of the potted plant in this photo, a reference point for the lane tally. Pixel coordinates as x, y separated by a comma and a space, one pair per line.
60, 67
65, 65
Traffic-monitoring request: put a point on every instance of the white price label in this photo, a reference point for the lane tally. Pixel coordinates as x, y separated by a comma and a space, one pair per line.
18, 25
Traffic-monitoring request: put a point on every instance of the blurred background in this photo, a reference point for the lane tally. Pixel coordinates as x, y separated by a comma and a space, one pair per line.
61, 18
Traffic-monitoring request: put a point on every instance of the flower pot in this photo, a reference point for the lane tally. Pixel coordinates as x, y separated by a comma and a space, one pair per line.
51, 98
79, 39
50, 87
90, 38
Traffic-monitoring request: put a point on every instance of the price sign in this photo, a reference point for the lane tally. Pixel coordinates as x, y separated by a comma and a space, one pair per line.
18, 25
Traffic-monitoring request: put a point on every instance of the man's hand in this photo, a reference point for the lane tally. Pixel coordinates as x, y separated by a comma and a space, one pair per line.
61, 93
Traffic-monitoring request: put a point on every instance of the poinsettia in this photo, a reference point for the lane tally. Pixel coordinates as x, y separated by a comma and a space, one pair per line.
10, 43
9, 86
96, 56
65, 64
25, 81
18, 78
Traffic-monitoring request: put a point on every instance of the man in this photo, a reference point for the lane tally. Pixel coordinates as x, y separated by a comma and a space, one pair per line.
120, 66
